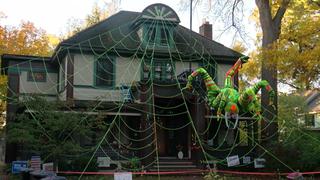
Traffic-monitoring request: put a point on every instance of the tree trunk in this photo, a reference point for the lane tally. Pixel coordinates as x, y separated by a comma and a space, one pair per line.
271, 28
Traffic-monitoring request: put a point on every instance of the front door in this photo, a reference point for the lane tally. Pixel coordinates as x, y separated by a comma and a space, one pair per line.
172, 134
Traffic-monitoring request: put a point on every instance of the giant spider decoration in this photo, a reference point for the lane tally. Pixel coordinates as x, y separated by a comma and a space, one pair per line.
228, 99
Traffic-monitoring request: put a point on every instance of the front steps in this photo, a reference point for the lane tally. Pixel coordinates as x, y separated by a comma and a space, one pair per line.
172, 164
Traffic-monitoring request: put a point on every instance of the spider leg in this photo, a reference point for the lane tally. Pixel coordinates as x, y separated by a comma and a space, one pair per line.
234, 70
249, 101
212, 89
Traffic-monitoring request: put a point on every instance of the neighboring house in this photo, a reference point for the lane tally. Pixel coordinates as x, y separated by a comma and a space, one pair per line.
138, 61
312, 117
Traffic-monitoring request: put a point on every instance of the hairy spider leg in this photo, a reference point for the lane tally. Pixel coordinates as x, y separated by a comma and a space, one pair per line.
248, 99
234, 70
211, 87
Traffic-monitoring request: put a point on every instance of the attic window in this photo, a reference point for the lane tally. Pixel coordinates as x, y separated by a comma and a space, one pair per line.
152, 35
157, 35
164, 35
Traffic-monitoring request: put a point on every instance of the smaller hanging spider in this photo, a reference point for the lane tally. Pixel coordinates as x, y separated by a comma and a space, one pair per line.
228, 99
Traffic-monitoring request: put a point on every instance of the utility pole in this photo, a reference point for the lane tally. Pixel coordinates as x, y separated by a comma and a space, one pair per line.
190, 64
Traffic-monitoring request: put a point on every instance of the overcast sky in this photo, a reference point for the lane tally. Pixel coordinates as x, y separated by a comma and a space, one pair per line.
52, 15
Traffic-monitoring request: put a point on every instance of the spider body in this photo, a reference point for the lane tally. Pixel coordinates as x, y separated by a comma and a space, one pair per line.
228, 100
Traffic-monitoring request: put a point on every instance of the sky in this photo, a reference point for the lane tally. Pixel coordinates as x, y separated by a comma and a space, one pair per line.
53, 15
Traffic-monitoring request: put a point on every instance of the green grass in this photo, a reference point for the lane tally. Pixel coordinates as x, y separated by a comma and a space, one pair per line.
110, 177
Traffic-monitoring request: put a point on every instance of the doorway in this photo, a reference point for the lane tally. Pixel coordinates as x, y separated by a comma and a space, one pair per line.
172, 130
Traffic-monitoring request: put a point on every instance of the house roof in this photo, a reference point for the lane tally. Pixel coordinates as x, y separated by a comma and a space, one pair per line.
120, 33
19, 59
313, 100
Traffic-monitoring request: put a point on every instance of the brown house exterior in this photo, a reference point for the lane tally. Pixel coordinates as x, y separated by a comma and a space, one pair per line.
150, 54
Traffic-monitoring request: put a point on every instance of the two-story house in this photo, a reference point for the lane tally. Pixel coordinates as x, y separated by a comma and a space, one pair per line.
136, 64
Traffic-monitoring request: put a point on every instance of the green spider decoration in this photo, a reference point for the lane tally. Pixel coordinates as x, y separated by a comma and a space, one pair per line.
228, 99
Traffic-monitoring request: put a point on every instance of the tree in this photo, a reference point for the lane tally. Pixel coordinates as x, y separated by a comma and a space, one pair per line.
295, 140
45, 128
76, 25
96, 15
297, 52
25, 39
270, 18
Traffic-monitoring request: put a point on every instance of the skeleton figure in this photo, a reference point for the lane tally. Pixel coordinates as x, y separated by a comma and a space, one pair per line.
228, 99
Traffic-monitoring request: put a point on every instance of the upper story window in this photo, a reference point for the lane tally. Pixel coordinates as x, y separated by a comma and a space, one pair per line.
37, 76
104, 72
161, 70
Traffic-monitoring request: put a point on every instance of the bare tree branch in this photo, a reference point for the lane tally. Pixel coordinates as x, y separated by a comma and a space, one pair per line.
289, 84
316, 2
235, 3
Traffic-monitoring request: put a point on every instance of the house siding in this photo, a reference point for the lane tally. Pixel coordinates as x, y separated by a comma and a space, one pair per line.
222, 69
83, 70
183, 66
85, 93
127, 71
46, 88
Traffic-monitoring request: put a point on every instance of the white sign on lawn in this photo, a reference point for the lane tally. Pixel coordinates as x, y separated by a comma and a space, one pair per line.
233, 160
123, 176
259, 162
246, 160
47, 167
103, 161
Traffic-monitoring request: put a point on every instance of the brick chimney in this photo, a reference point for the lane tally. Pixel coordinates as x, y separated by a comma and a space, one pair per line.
206, 30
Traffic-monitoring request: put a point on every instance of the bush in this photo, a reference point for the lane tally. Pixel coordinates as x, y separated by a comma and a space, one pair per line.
301, 155
78, 164
298, 148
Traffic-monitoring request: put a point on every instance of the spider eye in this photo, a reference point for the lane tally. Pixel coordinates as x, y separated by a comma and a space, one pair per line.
233, 108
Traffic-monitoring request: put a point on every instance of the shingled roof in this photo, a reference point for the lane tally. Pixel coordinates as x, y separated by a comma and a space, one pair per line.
118, 32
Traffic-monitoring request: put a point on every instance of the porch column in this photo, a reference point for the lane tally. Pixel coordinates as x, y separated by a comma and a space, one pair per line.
198, 116
70, 78
146, 155
12, 107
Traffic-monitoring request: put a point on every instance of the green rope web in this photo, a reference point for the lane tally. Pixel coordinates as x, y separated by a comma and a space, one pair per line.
123, 137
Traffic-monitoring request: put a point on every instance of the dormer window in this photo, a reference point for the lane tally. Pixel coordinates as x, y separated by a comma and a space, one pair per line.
157, 23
